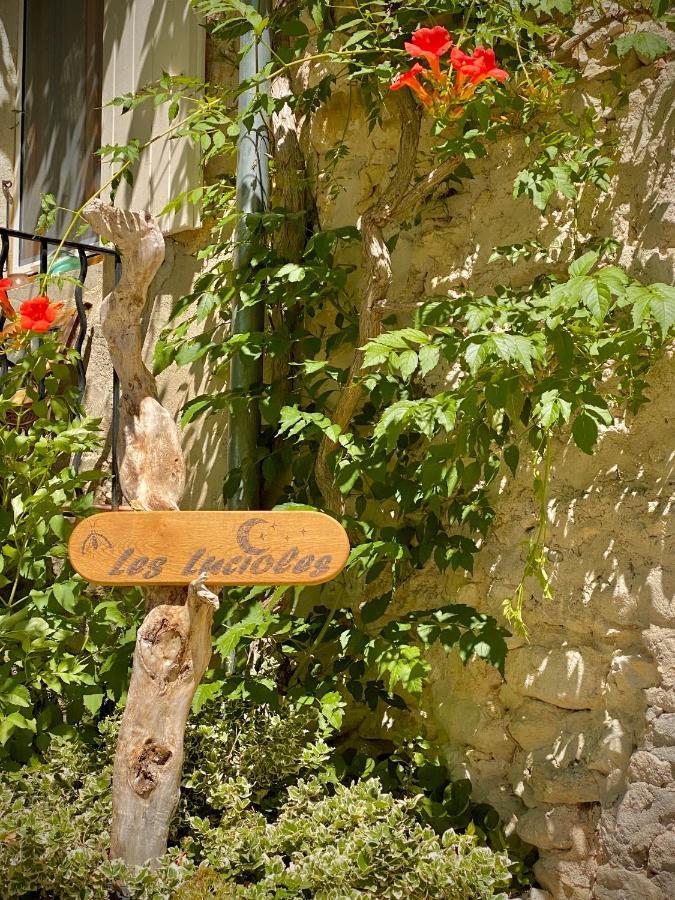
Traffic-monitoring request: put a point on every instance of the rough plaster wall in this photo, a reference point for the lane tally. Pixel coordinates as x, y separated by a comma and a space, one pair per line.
576, 745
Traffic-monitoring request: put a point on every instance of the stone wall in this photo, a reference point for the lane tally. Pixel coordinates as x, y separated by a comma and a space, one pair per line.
576, 745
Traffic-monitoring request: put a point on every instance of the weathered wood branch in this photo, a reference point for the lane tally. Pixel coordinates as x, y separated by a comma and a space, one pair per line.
152, 470
565, 48
173, 649
173, 645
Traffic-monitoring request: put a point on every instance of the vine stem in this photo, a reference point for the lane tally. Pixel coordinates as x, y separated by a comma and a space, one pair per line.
304, 661
513, 607
398, 200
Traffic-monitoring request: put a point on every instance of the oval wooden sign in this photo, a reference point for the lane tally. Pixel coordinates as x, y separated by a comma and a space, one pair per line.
230, 547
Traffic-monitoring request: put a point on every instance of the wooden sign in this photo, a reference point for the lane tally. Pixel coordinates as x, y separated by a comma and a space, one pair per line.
230, 547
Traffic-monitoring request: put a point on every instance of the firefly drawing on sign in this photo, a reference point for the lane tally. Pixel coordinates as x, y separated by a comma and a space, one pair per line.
244, 536
94, 541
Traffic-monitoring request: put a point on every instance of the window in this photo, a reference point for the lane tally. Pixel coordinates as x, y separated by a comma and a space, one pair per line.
61, 105
77, 56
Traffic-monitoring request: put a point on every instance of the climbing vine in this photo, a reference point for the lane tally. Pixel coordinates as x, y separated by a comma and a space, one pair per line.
403, 420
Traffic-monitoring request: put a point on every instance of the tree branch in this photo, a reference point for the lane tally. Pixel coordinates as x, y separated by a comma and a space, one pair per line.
398, 200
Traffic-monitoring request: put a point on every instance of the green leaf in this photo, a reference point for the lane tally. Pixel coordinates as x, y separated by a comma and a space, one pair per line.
662, 305
640, 297
407, 363
375, 608
292, 272
647, 45
65, 594
615, 279
584, 264
205, 692
15, 693
585, 432
512, 457
475, 355
596, 297
15, 722
428, 357
93, 701
659, 8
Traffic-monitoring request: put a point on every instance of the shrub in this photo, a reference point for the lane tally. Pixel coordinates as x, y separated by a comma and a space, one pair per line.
356, 842
316, 837
63, 645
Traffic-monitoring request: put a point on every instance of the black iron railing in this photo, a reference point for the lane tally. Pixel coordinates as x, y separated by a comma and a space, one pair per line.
85, 253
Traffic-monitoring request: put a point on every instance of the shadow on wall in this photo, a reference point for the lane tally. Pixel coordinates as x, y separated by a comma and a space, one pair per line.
205, 440
551, 744
639, 208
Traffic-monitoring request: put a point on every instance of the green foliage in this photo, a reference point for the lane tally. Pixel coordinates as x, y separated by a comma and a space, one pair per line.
62, 647
53, 831
422, 460
244, 830
352, 842
647, 45
327, 657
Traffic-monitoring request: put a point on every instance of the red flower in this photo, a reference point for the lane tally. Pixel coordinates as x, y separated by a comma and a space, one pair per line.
430, 43
409, 79
5, 285
38, 314
477, 67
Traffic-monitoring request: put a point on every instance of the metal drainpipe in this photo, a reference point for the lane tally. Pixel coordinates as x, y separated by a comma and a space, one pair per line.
252, 197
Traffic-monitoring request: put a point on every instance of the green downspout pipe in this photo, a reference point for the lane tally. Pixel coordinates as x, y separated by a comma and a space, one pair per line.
252, 197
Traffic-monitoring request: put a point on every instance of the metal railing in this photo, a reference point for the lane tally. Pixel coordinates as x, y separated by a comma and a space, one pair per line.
85, 253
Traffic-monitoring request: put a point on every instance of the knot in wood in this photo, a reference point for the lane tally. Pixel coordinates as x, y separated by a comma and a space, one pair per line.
145, 765
163, 644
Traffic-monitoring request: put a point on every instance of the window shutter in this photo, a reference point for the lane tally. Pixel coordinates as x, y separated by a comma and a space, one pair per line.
141, 40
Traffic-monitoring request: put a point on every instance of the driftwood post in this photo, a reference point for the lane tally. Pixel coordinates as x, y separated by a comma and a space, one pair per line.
173, 646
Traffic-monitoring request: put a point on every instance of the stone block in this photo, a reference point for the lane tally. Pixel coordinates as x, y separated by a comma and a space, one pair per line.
632, 672
663, 730
643, 814
570, 678
661, 644
613, 882
533, 727
662, 852
564, 879
556, 828
576, 784
665, 882
648, 768
610, 749
464, 722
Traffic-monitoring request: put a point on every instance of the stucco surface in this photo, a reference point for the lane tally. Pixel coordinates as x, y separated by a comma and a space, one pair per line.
9, 44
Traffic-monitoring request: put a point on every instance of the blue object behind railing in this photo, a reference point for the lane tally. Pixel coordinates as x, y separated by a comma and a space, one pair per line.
85, 252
